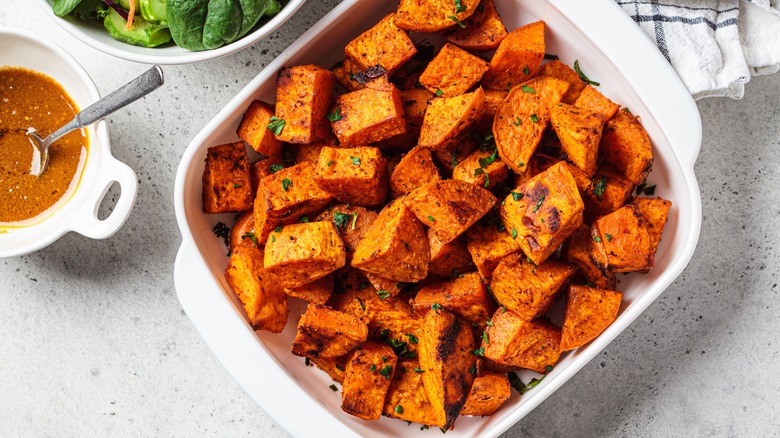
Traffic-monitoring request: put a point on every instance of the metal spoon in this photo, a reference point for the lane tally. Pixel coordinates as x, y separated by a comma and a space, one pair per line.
128, 93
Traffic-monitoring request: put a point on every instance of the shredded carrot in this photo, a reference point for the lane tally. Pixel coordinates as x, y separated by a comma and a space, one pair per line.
130, 15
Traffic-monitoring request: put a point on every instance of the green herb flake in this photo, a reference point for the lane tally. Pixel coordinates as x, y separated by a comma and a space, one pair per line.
473, 369
597, 238
590, 284
273, 238
286, 184
457, 21
399, 409
608, 236
236, 185
517, 196
303, 220
417, 370
330, 163
479, 351
547, 369
485, 162
362, 286
339, 367
333, 388
251, 236
355, 160
382, 294
276, 125
526, 71
516, 383
335, 116
439, 92
278, 229
527, 89
514, 232
431, 218
275, 167
412, 338
582, 75
362, 305
341, 220
517, 121
436, 306
385, 372
600, 187
454, 158
373, 368
222, 230
539, 204
489, 323
534, 118
521, 164
485, 337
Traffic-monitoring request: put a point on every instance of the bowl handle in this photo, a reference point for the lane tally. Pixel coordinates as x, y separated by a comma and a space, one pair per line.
112, 171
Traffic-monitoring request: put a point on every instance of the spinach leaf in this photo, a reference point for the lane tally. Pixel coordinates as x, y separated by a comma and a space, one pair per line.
62, 8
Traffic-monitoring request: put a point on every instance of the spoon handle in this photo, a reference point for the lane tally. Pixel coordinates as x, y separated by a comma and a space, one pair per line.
128, 93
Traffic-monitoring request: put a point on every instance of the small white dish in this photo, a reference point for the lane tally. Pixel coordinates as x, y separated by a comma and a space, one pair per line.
94, 35
79, 213
610, 48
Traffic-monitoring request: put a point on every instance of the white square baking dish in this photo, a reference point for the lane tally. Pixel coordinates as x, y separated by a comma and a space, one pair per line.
609, 46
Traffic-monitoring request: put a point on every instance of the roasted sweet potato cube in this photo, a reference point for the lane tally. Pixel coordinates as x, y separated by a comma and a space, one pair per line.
264, 167
626, 146
610, 190
317, 292
351, 221
512, 343
449, 207
579, 251
344, 72
244, 228
450, 156
448, 119
354, 176
526, 289
548, 212
448, 259
466, 295
227, 186
415, 103
392, 320
407, 391
522, 118
416, 168
324, 332
367, 116
304, 94
303, 253
253, 129
579, 130
333, 366
488, 392
446, 355
589, 311
262, 297
385, 44
493, 99
655, 211
559, 70
487, 246
482, 168
286, 196
517, 59
367, 378
311, 152
593, 100
622, 236
541, 162
453, 71
394, 246
432, 15
484, 30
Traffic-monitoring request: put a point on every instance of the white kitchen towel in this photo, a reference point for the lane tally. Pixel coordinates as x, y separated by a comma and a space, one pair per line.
714, 45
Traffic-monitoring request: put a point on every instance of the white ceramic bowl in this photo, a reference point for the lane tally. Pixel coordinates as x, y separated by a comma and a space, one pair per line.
610, 48
94, 35
79, 213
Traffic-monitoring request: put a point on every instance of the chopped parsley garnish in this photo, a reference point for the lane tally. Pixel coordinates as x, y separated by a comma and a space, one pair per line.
362, 306
333, 388
515, 382
222, 230
527, 89
597, 238
643, 189
385, 372
436, 306
236, 185
489, 323
590, 284
278, 229
275, 167
517, 121
582, 75
249, 235
417, 370
457, 21
431, 218
335, 116
608, 236
439, 92
286, 184
339, 367
303, 220
517, 196
539, 204
276, 125
373, 368
354, 220
273, 239
485, 162
514, 232
382, 294
399, 409
362, 286
534, 118
480, 171
479, 351
340, 220
330, 163
485, 337
473, 369
521, 164
412, 338
459, 7
526, 71
600, 187
454, 158
355, 160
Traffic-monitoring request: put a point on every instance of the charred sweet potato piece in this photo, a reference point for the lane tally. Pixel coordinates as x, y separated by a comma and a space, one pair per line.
446, 356
466, 295
317, 292
353, 176
453, 71
303, 97
244, 228
344, 72
526, 289
517, 58
259, 292
448, 259
407, 391
522, 118
483, 169
367, 378
351, 222
579, 251
394, 246
488, 392
302, 253
626, 146
590, 98
512, 343
484, 30
488, 245
448, 119
253, 129
416, 168
333, 366
385, 44
548, 212
541, 162
324, 332
449, 157
227, 186
579, 130
559, 70
449, 207
589, 311
622, 236
610, 190
432, 15
366, 116
655, 211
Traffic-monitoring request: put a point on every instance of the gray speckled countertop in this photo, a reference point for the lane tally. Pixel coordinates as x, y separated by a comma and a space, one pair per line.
93, 341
